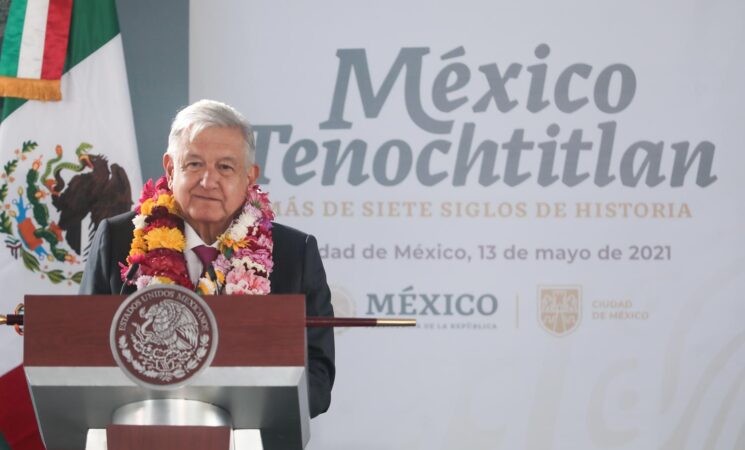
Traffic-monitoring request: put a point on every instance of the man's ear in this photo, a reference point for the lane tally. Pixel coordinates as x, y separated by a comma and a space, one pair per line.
253, 174
168, 163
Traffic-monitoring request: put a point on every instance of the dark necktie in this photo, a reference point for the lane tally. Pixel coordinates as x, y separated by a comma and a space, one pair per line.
207, 255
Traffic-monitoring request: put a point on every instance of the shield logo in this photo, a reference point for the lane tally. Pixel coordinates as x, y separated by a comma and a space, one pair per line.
163, 336
559, 308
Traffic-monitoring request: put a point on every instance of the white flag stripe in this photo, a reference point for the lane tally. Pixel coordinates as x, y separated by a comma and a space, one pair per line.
31, 54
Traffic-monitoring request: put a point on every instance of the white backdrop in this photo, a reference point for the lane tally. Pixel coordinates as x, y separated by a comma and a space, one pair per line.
580, 290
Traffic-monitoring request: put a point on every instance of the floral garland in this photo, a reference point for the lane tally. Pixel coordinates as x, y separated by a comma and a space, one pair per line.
244, 261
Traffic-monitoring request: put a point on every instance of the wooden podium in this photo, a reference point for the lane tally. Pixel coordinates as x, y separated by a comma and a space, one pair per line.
256, 381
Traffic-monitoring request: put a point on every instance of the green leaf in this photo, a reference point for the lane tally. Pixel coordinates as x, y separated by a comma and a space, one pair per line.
10, 167
28, 146
30, 261
56, 276
5, 223
3, 192
77, 277
41, 214
59, 254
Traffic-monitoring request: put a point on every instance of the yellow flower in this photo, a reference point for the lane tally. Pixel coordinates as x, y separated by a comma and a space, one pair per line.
168, 201
162, 280
162, 237
224, 242
206, 286
139, 246
220, 276
147, 207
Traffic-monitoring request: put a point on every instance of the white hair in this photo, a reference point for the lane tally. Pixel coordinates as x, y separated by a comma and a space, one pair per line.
198, 116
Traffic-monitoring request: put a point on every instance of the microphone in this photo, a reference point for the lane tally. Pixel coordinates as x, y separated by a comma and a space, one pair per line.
127, 278
213, 277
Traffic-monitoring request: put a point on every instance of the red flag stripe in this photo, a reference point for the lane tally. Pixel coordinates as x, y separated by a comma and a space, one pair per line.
55, 42
17, 419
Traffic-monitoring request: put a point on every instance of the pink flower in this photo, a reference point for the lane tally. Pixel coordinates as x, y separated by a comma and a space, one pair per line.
239, 281
123, 269
161, 186
222, 264
147, 192
151, 190
264, 257
143, 281
265, 241
260, 200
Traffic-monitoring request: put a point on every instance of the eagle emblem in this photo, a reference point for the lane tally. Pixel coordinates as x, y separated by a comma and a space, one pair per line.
162, 336
173, 326
42, 212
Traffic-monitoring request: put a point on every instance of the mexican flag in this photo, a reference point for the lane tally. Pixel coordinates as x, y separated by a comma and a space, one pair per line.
64, 165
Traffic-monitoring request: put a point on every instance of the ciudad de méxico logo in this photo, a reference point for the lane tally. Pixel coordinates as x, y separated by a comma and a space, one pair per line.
47, 197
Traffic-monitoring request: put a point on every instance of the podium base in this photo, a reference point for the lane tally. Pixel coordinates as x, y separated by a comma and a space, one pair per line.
239, 440
172, 423
171, 412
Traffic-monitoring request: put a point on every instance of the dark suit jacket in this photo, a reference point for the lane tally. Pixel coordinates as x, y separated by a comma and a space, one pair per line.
297, 270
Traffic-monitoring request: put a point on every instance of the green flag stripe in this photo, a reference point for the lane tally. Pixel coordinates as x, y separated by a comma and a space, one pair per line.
93, 24
12, 39
3, 443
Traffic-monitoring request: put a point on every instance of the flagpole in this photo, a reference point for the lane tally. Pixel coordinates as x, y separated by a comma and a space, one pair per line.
14, 320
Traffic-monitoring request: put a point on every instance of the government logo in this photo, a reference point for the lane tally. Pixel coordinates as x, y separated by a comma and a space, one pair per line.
162, 336
559, 308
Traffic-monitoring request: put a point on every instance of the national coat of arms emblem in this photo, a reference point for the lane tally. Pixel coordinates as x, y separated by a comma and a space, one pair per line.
47, 240
162, 336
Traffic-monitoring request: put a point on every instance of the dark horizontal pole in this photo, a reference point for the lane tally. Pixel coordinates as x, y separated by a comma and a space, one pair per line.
310, 322
12, 319
318, 322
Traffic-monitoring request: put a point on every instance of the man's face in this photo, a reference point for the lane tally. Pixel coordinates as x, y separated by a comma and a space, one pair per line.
209, 177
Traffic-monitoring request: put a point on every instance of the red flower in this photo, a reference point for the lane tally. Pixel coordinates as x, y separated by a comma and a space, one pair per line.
166, 221
160, 217
162, 185
148, 191
135, 259
167, 263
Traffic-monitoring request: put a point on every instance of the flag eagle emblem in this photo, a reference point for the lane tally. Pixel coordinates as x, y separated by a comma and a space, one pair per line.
42, 211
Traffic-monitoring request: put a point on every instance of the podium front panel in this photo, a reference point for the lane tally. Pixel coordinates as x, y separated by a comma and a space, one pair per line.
258, 374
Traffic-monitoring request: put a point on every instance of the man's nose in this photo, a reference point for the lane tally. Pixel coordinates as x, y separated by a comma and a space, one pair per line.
209, 178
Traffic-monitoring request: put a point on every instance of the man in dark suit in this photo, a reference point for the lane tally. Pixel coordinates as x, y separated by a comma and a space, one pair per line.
209, 166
